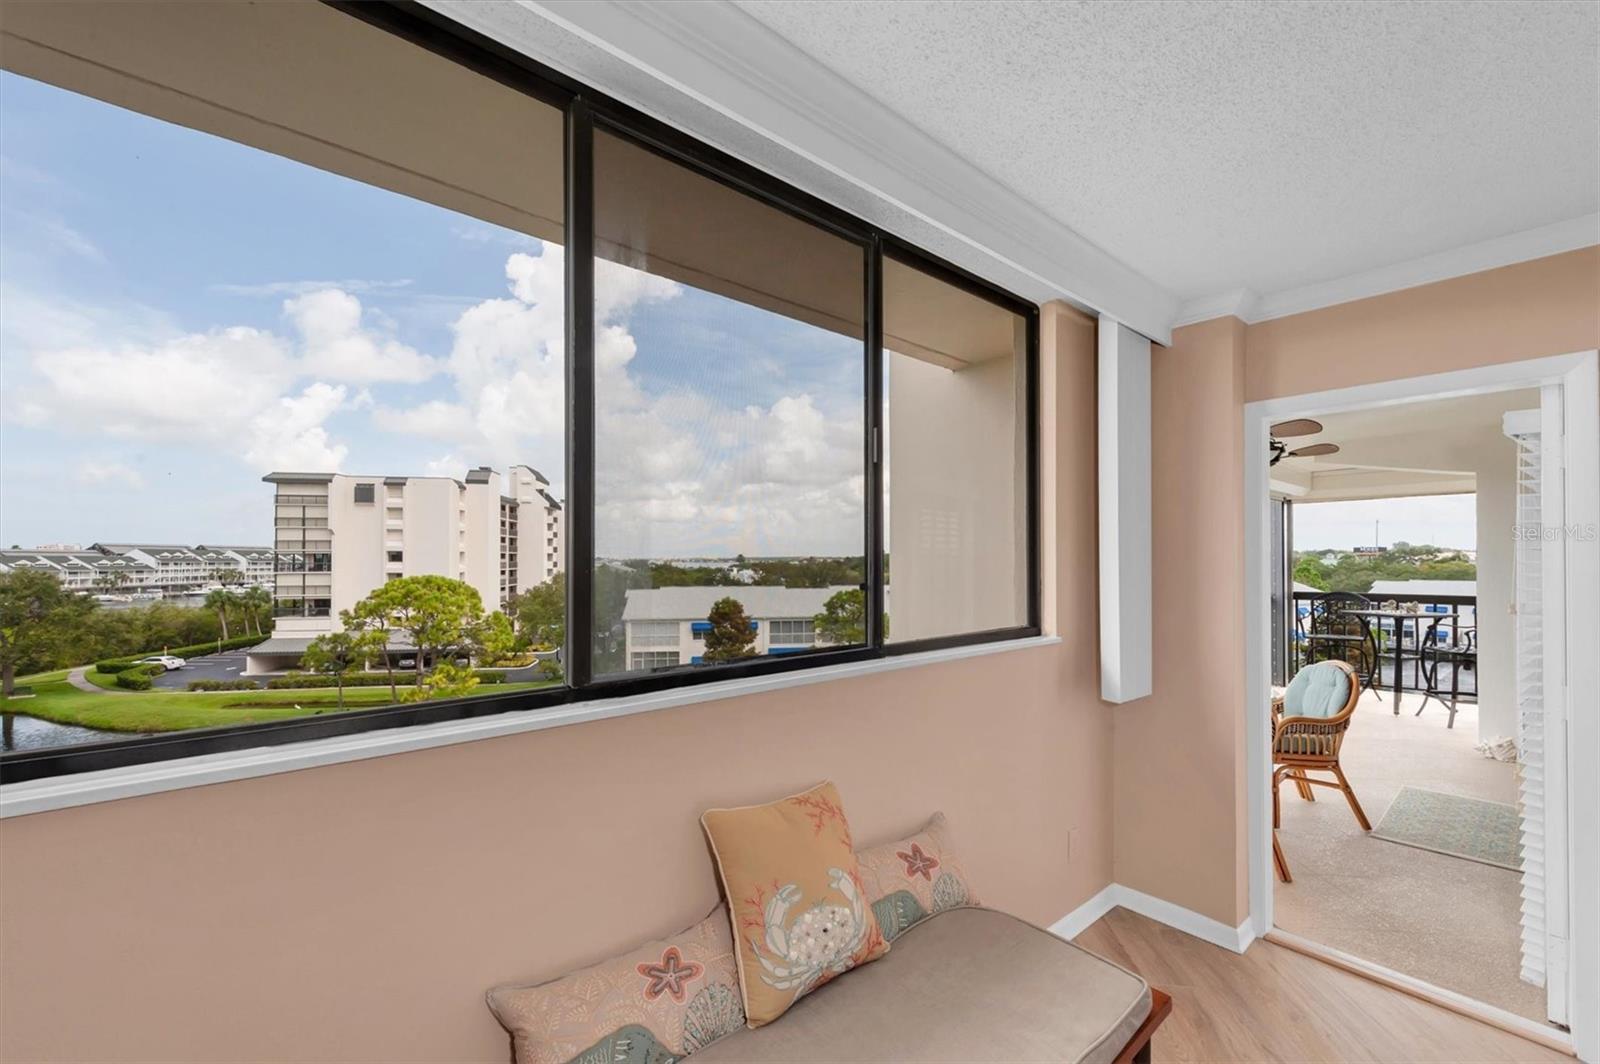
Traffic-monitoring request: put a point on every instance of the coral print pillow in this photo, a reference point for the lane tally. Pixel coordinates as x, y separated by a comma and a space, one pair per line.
914, 878
654, 1005
800, 912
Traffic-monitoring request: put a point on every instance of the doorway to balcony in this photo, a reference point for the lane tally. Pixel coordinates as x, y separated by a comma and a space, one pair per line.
1402, 534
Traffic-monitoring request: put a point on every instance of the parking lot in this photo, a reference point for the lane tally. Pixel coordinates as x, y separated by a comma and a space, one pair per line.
225, 666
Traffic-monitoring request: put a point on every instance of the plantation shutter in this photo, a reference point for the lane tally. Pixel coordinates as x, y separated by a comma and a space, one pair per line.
1540, 692
1530, 707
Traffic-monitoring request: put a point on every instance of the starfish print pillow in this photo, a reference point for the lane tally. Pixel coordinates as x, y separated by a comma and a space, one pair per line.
910, 880
661, 1001
799, 909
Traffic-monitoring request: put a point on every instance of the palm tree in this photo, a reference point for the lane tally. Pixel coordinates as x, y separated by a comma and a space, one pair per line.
219, 600
257, 601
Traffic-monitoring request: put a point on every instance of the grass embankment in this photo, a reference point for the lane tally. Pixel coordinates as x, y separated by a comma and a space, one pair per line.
42, 677
106, 680
155, 711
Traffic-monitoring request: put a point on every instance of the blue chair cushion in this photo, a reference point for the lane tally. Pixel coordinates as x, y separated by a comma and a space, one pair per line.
1319, 690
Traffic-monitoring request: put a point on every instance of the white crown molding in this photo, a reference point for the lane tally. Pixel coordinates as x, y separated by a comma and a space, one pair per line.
1239, 303
1508, 250
715, 72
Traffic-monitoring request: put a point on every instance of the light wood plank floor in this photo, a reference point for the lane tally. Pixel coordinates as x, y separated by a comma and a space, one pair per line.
1275, 1004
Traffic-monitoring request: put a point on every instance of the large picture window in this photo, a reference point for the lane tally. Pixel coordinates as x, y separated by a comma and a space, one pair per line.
360, 374
729, 363
957, 476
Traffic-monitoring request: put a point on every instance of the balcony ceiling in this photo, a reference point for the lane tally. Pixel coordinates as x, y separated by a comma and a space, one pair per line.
1216, 146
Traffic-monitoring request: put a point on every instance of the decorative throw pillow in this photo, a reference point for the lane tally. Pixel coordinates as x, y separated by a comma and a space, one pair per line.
653, 1005
914, 878
800, 912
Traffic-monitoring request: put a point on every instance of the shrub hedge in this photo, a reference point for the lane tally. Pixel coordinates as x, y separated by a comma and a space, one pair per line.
223, 685
137, 678
116, 665
406, 678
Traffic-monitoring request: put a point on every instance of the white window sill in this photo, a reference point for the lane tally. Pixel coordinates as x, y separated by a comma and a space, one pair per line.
87, 788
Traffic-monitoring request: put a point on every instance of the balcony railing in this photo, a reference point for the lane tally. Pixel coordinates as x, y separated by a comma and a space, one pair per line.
1416, 662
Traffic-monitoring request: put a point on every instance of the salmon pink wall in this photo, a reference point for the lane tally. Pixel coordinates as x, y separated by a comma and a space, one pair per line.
1179, 753
1179, 783
359, 911
1548, 306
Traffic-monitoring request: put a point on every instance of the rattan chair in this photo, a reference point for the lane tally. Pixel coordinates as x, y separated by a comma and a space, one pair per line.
1301, 745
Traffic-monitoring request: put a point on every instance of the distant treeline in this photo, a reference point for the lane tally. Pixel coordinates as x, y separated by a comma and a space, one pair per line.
764, 572
1403, 561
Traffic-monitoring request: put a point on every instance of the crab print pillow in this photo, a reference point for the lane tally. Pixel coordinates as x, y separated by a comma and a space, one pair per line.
910, 880
654, 1005
800, 912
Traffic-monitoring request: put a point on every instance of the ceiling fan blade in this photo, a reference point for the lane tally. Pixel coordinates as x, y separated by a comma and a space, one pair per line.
1315, 450
1300, 426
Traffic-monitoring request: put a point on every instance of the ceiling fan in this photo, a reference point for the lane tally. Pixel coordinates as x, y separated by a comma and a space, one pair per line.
1303, 426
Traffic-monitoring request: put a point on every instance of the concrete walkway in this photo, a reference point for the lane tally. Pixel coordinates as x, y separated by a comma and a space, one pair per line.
77, 679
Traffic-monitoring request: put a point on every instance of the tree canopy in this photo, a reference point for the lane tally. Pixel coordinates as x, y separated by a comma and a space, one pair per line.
1358, 572
732, 636
437, 613
541, 612
843, 619
38, 618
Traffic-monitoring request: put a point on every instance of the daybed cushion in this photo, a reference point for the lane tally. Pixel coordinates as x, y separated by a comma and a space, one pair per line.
963, 985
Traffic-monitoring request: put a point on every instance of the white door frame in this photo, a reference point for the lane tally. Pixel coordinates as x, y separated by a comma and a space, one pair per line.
1579, 376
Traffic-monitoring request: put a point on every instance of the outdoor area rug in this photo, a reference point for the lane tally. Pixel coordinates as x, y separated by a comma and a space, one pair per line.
1481, 831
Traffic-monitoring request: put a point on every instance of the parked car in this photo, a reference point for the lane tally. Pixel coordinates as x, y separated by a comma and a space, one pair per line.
168, 662
408, 663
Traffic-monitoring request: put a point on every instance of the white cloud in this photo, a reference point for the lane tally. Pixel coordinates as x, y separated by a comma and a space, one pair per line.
679, 471
507, 361
194, 386
91, 471
61, 236
297, 288
336, 346
128, 372
289, 434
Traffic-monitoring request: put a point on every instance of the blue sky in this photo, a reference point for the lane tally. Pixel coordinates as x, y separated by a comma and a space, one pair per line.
180, 314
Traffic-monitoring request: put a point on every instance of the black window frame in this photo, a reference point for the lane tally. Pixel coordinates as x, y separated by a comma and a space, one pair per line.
587, 110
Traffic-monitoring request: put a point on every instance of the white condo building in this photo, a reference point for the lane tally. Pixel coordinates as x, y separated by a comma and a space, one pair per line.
88, 571
337, 536
667, 626
151, 569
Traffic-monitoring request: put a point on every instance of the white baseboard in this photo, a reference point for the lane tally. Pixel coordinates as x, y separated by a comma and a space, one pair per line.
1073, 924
1235, 939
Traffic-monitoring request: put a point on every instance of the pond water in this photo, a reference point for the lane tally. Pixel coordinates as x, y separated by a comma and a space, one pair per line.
18, 731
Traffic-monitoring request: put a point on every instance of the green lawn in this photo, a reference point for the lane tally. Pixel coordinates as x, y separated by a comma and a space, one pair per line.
151, 711
42, 677
108, 680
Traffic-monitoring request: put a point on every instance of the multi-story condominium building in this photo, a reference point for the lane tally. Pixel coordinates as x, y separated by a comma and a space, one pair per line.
177, 568
147, 568
89, 571
337, 536
253, 564
667, 625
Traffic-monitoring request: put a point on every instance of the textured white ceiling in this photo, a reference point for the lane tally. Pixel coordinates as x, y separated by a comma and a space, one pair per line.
1216, 145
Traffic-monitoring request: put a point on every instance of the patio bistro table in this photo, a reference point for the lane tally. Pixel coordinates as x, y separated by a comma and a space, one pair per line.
1401, 618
